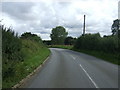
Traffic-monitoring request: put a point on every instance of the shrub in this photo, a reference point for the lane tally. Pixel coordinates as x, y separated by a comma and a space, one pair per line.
108, 44
29, 36
11, 54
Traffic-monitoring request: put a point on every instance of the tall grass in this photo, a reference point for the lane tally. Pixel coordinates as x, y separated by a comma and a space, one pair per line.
20, 56
112, 58
61, 46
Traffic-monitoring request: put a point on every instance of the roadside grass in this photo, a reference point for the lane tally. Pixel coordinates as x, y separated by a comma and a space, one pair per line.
34, 55
61, 46
113, 58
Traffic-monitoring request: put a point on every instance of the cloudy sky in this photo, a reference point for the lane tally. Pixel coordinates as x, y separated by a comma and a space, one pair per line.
40, 17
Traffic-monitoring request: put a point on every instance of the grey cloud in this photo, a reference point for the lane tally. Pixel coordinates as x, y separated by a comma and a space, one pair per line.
44, 32
18, 10
41, 17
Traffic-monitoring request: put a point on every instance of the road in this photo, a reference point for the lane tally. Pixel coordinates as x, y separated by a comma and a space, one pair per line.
70, 69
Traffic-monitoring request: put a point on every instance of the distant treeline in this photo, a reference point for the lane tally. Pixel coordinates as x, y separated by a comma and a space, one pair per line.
106, 45
67, 41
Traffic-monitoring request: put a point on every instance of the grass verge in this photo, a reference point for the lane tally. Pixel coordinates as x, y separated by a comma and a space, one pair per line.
34, 55
113, 58
61, 46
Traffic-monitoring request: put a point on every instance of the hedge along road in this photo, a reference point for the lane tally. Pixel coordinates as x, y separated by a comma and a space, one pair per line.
70, 69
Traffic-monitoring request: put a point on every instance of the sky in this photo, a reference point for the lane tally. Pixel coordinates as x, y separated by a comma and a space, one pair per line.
40, 17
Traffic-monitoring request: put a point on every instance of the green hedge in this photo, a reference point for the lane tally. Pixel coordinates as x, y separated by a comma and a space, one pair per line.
106, 47
20, 56
108, 44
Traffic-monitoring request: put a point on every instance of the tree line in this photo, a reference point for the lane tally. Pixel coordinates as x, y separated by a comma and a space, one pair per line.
107, 44
88, 41
59, 37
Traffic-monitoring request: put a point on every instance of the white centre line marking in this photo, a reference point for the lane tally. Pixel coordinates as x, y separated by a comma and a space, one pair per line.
89, 76
73, 57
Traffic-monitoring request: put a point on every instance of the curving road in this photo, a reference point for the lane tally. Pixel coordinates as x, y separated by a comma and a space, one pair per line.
70, 69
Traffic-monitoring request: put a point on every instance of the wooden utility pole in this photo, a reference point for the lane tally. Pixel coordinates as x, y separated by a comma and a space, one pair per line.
84, 26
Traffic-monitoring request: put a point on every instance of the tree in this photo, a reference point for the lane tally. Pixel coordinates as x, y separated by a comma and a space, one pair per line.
88, 41
58, 35
33, 37
116, 27
69, 40
47, 42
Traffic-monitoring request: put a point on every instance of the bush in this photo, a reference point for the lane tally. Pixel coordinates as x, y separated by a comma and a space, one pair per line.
108, 44
20, 55
88, 41
11, 54
29, 36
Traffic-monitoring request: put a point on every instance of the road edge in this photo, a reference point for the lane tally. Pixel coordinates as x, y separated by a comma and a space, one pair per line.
22, 82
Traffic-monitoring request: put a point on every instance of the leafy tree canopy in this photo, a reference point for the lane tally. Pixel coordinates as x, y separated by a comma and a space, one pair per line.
69, 40
58, 35
116, 27
28, 35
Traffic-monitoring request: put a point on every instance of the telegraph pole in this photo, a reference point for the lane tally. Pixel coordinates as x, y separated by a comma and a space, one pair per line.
84, 26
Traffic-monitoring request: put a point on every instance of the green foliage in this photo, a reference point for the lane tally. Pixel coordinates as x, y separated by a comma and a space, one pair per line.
69, 40
113, 58
11, 44
61, 46
34, 55
20, 56
58, 35
115, 27
107, 44
33, 37
88, 41
93, 42
11, 54
47, 42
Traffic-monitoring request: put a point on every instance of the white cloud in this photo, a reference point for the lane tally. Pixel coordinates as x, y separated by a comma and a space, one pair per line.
42, 16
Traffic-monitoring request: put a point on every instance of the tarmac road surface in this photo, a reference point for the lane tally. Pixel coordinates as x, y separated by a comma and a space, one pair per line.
70, 69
